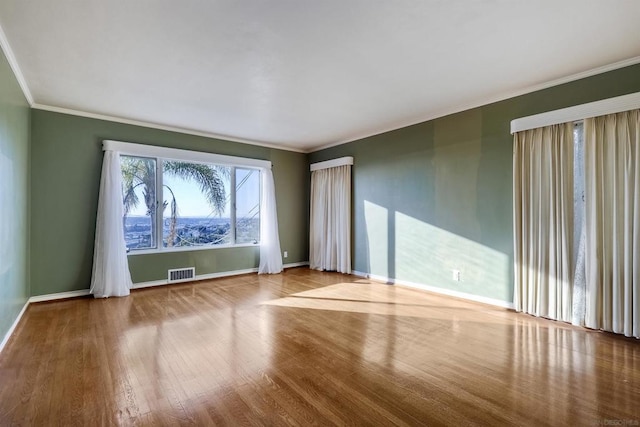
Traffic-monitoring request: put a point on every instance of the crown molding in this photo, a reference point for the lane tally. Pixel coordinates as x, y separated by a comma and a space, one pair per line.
486, 101
13, 63
8, 52
141, 123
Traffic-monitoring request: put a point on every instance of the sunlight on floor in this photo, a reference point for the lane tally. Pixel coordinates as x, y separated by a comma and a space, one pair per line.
253, 346
369, 297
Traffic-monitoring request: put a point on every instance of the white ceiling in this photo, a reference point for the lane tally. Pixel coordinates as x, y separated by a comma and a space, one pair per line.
305, 74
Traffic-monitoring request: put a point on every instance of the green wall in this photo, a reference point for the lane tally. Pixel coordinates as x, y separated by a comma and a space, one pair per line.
14, 198
437, 196
66, 160
428, 198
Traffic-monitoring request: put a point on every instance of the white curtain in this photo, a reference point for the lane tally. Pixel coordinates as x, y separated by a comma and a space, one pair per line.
330, 233
111, 275
270, 257
612, 170
543, 221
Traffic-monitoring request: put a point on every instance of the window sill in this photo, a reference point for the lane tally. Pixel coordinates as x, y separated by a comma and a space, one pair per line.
189, 249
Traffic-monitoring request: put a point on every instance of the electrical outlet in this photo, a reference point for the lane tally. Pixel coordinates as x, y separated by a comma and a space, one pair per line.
286, 254
456, 275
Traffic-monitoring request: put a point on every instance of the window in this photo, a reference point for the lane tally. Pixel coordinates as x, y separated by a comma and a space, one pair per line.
139, 200
173, 204
247, 205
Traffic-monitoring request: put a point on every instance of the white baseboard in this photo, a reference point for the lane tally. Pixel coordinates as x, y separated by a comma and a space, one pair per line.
218, 275
152, 283
59, 295
295, 264
13, 326
142, 285
434, 289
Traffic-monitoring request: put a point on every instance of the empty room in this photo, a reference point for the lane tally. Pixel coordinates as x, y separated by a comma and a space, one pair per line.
320, 213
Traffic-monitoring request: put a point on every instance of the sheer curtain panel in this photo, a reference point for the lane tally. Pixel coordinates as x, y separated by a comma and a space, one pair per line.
270, 257
612, 171
330, 234
543, 221
111, 277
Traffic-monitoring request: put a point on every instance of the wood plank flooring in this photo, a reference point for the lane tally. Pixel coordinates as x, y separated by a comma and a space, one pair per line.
309, 348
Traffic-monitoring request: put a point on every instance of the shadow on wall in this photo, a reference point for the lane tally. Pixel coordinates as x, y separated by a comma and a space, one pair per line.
409, 250
435, 198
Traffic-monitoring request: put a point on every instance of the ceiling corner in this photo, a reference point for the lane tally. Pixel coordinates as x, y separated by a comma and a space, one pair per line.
13, 63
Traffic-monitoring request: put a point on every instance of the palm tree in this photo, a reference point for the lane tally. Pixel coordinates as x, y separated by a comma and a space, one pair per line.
139, 172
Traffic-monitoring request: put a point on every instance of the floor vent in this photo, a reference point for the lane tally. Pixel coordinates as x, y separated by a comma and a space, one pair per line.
182, 274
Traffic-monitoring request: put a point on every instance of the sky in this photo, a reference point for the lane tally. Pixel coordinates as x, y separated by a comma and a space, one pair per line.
191, 202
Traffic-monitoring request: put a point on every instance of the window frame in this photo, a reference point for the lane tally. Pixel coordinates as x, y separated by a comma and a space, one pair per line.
160, 154
234, 207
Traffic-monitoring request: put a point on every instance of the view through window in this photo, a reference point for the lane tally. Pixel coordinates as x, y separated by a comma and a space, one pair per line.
188, 204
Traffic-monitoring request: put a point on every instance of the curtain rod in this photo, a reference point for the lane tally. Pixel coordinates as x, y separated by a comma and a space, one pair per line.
183, 155
578, 112
342, 161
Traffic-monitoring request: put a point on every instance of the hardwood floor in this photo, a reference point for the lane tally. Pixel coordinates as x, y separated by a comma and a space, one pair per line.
309, 348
